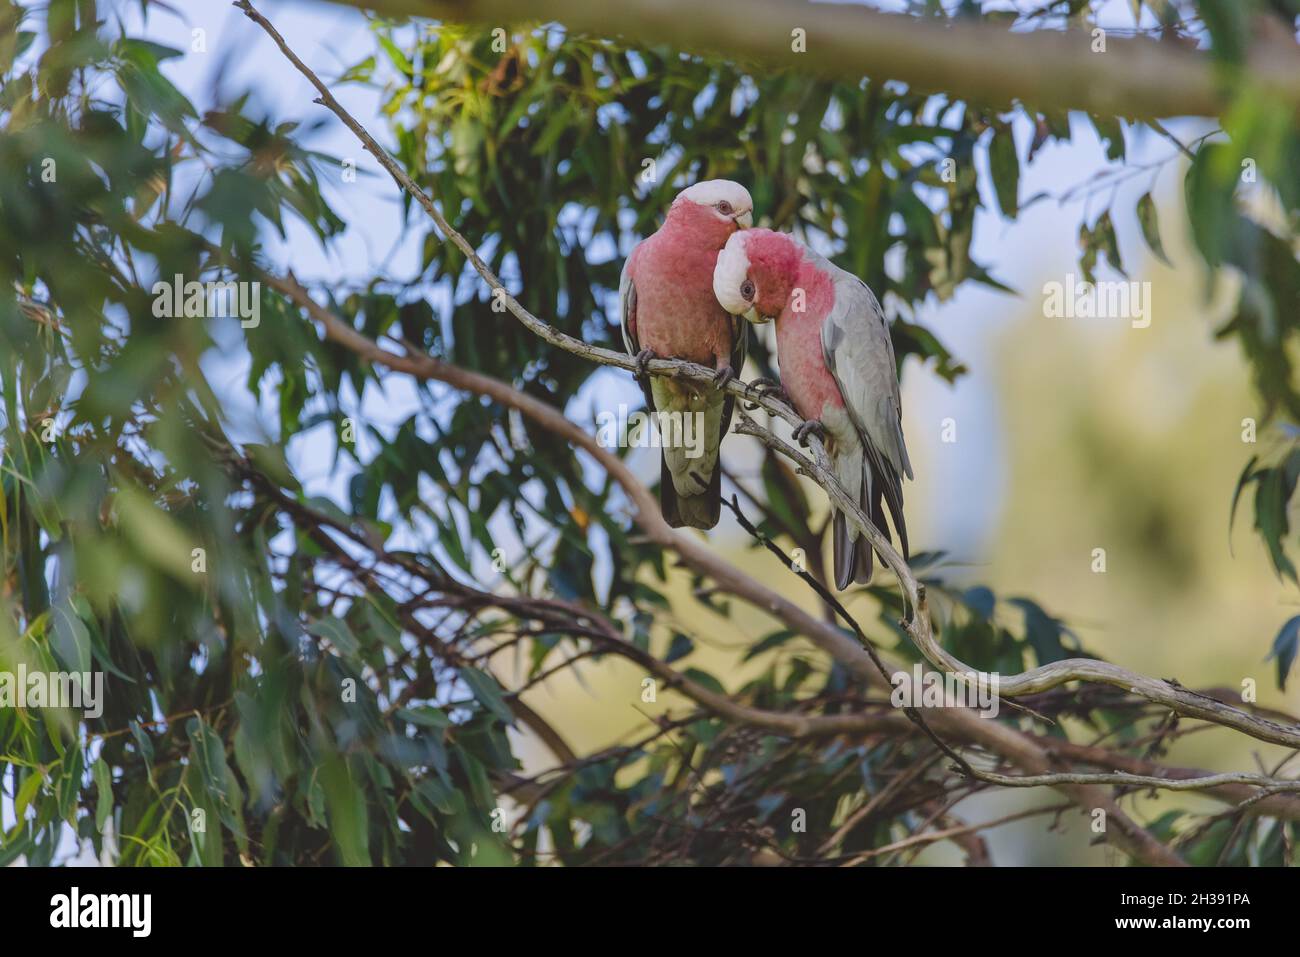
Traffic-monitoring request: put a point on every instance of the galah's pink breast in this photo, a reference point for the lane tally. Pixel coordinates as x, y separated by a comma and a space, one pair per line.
804, 374
677, 314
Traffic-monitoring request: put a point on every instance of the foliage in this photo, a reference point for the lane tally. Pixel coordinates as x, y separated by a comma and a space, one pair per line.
291, 679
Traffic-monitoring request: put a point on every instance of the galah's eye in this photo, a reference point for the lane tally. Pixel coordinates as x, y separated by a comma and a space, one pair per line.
747, 290
724, 207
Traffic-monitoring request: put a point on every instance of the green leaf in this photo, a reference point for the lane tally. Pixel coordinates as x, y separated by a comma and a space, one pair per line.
680, 647
26, 793
14, 848
69, 638
488, 693
270, 461
395, 54
337, 632
1272, 493
480, 785
1111, 133
1247, 475
981, 600
705, 679
1104, 231
1088, 252
1043, 632
153, 94
428, 716
775, 640
1211, 203
156, 534
1285, 646
347, 812
220, 788
70, 784
1146, 212
1005, 168
103, 792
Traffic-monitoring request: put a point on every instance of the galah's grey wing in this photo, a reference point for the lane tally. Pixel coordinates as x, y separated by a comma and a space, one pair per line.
739, 352
627, 308
860, 355
739, 342
627, 318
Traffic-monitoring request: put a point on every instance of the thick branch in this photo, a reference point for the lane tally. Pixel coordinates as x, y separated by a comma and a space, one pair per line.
1137, 77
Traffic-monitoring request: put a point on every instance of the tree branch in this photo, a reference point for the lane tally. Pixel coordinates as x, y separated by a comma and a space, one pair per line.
1136, 77
1164, 692
1123, 779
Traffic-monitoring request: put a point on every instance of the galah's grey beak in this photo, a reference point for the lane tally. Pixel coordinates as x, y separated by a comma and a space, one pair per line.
751, 314
744, 220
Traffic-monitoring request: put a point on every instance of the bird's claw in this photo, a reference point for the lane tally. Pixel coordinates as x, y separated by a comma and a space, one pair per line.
643, 357
811, 427
764, 387
723, 376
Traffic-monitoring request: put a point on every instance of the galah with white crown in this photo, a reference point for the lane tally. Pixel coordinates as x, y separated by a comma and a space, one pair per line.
837, 368
669, 312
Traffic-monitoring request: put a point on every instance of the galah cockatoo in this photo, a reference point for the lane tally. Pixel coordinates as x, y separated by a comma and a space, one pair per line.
669, 312
837, 368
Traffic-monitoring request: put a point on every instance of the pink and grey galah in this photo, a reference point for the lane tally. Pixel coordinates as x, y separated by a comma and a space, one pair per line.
669, 312
837, 368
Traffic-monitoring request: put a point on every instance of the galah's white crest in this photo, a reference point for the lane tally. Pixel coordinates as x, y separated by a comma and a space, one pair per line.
669, 312
837, 367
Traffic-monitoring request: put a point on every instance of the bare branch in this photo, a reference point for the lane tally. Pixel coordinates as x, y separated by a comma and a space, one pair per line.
949, 833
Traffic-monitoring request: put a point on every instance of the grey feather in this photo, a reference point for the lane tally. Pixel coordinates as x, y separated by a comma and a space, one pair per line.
860, 356
627, 309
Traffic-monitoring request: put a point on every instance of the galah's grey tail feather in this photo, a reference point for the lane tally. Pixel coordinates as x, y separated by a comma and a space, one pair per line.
889, 485
852, 552
845, 556
854, 561
668, 495
690, 511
